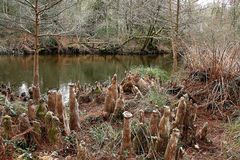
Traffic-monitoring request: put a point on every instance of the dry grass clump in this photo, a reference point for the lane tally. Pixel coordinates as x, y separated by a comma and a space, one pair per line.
218, 70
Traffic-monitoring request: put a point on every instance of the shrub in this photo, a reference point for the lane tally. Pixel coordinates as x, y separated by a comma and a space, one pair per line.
219, 69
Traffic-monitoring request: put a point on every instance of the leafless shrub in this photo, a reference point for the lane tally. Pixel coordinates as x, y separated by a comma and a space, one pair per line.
218, 69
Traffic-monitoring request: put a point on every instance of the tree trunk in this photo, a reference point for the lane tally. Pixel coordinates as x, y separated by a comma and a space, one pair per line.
174, 32
36, 88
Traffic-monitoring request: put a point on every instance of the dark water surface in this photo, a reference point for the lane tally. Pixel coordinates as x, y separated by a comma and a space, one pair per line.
58, 71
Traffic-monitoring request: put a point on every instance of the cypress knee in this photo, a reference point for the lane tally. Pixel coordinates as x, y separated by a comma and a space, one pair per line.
37, 133
59, 106
81, 151
141, 116
2, 149
74, 112
171, 151
202, 133
154, 123
189, 129
31, 110
7, 126
24, 124
52, 95
126, 147
41, 110
119, 109
61, 114
109, 104
52, 126
181, 111
163, 131
36, 93
114, 87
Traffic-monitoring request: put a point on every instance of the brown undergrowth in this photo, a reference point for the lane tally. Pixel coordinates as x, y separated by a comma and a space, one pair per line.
196, 130
214, 75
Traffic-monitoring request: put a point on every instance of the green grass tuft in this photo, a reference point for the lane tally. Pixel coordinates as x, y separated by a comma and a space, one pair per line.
152, 71
156, 97
104, 134
234, 132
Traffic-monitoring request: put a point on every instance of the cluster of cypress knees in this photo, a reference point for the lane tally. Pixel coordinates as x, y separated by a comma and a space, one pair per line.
158, 138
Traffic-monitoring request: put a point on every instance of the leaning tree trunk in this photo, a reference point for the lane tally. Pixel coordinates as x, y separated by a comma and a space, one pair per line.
36, 88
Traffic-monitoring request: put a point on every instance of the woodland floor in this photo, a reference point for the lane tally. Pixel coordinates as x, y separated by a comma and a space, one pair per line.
102, 137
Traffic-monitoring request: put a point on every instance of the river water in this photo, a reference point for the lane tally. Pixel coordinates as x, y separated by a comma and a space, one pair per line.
58, 71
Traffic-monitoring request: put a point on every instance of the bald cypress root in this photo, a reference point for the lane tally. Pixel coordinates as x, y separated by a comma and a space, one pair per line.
119, 108
180, 115
171, 150
52, 126
59, 107
111, 96
202, 133
82, 153
52, 95
154, 123
114, 87
7, 126
141, 116
41, 110
37, 133
2, 149
24, 124
109, 104
126, 147
31, 110
74, 111
36, 93
189, 129
163, 131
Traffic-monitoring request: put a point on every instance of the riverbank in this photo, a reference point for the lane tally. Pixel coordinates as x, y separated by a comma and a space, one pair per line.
78, 51
71, 45
212, 133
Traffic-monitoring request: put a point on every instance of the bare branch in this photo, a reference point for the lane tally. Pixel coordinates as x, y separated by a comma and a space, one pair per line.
49, 6
26, 3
